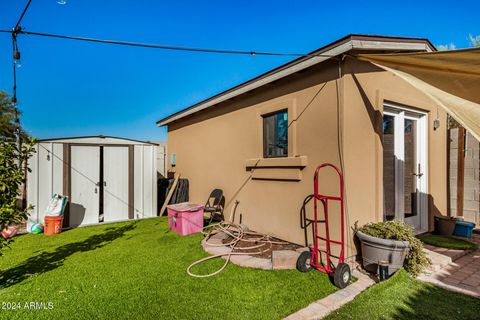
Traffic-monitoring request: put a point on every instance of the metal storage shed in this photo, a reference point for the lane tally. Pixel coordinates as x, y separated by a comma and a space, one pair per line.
106, 179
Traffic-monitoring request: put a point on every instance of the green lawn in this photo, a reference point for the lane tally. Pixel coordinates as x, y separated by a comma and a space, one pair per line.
136, 270
447, 242
402, 297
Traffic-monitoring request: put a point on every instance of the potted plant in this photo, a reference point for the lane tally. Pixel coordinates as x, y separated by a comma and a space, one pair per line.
392, 243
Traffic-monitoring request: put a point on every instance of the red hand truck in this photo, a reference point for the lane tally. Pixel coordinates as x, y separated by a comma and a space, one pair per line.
308, 260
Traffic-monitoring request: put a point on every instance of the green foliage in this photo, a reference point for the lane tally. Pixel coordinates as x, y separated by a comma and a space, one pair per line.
474, 41
447, 242
7, 117
446, 47
416, 259
12, 176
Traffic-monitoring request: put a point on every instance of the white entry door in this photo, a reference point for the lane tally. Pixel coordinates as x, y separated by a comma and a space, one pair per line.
85, 177
115, 188
405, 166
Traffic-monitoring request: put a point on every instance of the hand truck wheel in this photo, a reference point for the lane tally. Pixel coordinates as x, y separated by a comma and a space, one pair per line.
303, 262
342, 275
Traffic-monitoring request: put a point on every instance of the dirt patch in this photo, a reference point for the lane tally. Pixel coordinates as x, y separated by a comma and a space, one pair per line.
266, 248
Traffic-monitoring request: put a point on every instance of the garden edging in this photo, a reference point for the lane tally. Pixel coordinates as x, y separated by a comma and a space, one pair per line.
323, 307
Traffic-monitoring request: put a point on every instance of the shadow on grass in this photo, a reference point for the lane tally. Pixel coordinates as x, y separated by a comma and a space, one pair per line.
431, 302
402, 297
47, 261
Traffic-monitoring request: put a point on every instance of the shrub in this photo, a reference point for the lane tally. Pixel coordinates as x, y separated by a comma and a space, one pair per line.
416, 260
12, 176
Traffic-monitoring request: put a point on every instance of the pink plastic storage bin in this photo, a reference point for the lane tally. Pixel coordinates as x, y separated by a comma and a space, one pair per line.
185, 218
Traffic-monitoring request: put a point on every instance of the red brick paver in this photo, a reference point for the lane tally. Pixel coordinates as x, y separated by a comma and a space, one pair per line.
462, 275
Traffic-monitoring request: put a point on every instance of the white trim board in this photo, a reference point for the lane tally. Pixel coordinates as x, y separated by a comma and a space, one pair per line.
340, 49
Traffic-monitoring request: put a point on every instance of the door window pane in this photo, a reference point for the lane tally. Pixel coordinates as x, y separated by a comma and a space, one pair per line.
275, 135
410, 177
388, 167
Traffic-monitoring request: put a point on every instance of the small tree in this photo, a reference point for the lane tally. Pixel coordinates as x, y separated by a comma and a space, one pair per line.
11, 177
8, 115
474, 41
12, 174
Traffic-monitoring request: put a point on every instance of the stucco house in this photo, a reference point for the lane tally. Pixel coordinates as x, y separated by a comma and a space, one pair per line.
262, 140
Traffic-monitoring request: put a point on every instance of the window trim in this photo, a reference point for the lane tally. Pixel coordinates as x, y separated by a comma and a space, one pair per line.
264, 117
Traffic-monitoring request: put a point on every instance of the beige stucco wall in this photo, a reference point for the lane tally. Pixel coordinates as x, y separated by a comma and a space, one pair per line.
212, 147
363, 146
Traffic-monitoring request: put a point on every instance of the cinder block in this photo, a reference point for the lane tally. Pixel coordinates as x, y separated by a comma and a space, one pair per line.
471, 205
471, 163
469, 194
471, 216
471, 142
469, 172
453, 156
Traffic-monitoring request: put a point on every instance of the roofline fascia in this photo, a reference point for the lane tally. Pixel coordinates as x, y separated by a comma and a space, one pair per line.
352, 42
99, 136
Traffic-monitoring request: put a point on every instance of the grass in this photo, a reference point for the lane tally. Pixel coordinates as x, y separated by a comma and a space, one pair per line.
136, 270
447, 242
402, 297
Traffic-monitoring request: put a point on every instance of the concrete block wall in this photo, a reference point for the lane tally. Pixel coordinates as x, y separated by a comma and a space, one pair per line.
471, 203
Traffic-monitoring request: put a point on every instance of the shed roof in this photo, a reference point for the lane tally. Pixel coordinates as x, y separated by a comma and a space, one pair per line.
336, 48
97, 140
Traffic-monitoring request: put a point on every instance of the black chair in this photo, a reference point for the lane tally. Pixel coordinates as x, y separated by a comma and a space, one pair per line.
214, 206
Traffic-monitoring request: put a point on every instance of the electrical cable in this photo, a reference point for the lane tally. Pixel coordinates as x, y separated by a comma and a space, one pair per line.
340, 129
170, 47
22, 15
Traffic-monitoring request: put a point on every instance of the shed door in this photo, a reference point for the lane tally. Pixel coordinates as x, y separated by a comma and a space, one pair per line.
85, 173
115, 183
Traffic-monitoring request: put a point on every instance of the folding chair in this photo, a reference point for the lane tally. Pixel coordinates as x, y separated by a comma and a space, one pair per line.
214, 206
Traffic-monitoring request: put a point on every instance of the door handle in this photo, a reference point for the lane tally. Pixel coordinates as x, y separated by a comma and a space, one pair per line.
104, 183
96, 190
419, 173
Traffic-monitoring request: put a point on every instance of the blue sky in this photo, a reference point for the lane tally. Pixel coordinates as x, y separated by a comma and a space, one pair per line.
68, 88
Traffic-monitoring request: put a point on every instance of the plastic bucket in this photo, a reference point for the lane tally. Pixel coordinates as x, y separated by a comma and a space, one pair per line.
53, 225
444, 226
463, 229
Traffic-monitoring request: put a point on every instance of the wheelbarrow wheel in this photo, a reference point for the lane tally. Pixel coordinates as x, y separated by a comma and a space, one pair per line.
303, 262
342, 275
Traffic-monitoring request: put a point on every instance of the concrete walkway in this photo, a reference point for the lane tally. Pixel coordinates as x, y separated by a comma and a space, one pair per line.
461, 274
323, 307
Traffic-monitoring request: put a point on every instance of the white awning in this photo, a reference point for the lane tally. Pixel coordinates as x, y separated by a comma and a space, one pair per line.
450, 78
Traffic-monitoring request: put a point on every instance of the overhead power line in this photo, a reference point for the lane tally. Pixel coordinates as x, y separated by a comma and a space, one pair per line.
23, 13
168, 47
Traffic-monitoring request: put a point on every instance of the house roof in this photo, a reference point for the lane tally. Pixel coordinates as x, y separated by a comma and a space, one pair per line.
336, 48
